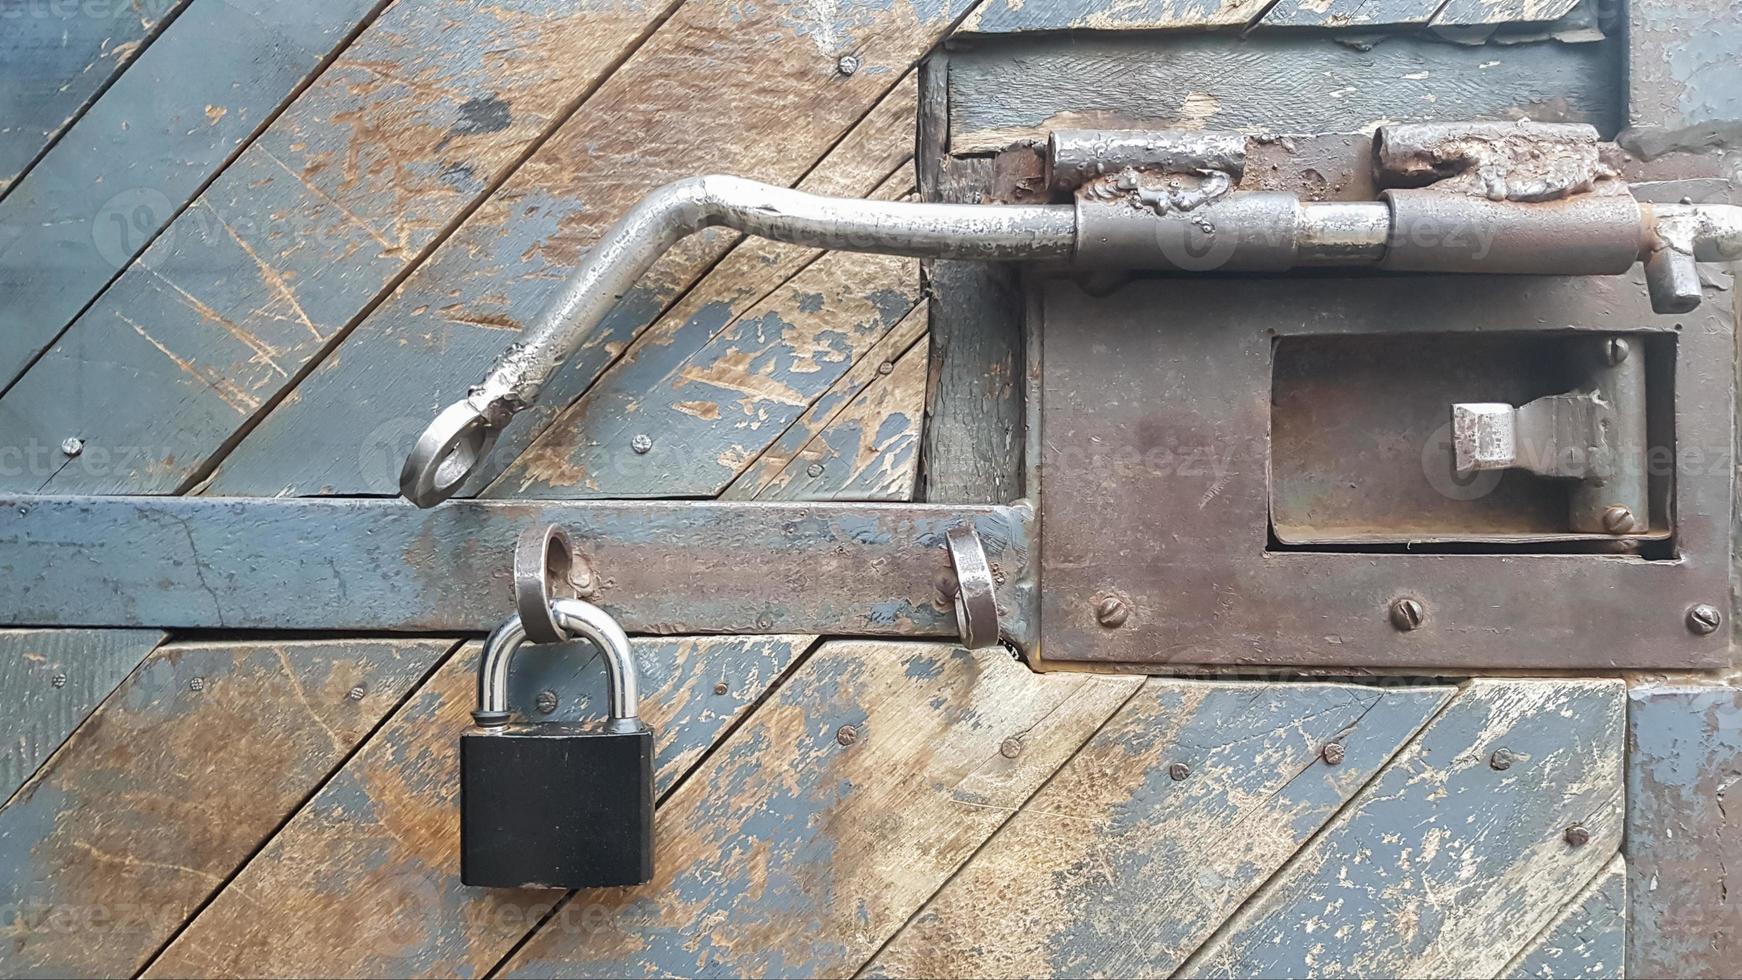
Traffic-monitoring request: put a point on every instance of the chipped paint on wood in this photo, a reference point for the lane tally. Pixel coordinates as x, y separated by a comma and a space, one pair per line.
1684, 830
58, 55
717, 409
791, 853
50, 680
365, 878
342, 193
1587, 941
1019, 16
1351, 13
661, 117
1445, 865
1278, 82
870, 449
1460, 13
173, 782
1119, 869
836, 404
118, 176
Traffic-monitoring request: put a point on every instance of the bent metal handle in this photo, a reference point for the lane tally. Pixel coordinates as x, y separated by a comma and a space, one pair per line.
1203, 229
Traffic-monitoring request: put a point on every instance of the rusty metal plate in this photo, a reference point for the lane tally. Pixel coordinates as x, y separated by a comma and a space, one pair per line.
1154, 487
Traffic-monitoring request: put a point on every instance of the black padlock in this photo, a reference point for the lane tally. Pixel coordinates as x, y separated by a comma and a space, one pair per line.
557, 805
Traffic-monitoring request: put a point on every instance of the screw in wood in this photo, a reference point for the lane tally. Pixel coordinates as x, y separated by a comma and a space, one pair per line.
847, 64
546, 702
642, 444
814, 470
1501, 760
1178, 771
847, 735
1332, 753
357, 693
1577, 835
1010, 748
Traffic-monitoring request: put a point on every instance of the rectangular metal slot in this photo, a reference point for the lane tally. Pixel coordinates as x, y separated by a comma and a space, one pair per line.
1361, 454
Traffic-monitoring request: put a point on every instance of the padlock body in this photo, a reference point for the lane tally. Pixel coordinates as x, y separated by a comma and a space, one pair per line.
556, 806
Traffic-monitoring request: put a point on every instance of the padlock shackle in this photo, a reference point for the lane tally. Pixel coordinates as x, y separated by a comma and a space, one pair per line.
580, 620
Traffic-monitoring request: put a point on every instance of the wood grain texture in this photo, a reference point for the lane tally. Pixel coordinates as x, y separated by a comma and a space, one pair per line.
717, 409
1445, 865
660, 118
791, 853
124, 170
1684, 833
1115, 868
869, 447
364, 880
1282, 83
1021, 16
50, 680
58, 56
975, 413
1351, 13
1458, 13
342, 194
173, 782
857, 570
1587, 940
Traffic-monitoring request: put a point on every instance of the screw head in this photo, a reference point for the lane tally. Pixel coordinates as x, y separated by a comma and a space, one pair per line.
814, 470
1111, 612
1704, 619
58, 680
642, 444
1332, 753
1408, 614
886, 367
357, 693
721, 688
1618, 520
72, 446
847, 734
1501, 760
1577, 835
546, 702
1010, 748
1616, 350
847, 64
197, 684
1179, 771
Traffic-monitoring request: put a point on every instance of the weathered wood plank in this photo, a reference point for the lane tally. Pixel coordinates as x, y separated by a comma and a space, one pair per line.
340, 196
1021, 16
49, 681
364, 880
813, 833
1684, 837
870, 450
128, 165
1277, 82
1460, 13
1118, 869
1587, 940
857, 570
665, 115
57, 56
842, 412
334, 460
173, 782
1445, 864
975, 412
1352, 13
719, 408
1683, 92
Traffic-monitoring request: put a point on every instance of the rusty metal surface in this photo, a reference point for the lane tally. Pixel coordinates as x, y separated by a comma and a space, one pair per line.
348, 564
1154, 452
1500, 161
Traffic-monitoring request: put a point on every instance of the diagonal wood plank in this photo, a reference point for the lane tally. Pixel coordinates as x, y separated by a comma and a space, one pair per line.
1021, 16
419, 119
1587, 941
1684, 829
870, 450
50, 680
124, 170
832, 814
1351, 13
660, 118
173, 782
364, 880
57, 57
1459, 13
717, 409
1446, 865
837, 405
1119, 869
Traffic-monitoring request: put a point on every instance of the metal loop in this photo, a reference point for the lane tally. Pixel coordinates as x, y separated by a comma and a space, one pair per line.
446, 454
976, 598
544, 566
579, 620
